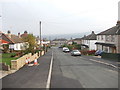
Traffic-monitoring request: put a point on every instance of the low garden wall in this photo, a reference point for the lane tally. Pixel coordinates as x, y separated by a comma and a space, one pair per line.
111, 56
20, 62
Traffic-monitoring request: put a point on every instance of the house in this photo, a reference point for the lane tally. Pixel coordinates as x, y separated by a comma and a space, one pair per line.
14, 42
61, 41
109, 40
88, 42
70, 42
77, 40
43, 42
24, 34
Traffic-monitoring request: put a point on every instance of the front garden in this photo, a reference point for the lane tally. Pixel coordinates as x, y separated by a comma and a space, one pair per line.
7, 57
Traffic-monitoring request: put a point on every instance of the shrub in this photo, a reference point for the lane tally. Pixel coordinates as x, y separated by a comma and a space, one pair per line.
91, 52
13, 54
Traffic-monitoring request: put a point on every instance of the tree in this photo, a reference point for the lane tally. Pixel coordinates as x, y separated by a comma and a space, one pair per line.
30, 39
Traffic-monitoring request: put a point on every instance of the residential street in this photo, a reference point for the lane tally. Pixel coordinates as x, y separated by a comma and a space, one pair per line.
68, 72
80, 72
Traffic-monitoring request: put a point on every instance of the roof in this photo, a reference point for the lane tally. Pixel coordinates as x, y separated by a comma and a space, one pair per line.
62, 39
3, 41
77, 39
111, 31
5, 38
85, 45
106, 44
15, 38
24, 35
91, 36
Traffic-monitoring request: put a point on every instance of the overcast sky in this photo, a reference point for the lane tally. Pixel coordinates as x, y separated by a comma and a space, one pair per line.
58, 16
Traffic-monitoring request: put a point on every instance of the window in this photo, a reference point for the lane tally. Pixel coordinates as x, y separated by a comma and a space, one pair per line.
112, 38
107, 37
98, 37
101, 37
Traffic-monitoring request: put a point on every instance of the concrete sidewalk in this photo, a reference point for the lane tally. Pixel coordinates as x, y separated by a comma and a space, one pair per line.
5, 73
30, 76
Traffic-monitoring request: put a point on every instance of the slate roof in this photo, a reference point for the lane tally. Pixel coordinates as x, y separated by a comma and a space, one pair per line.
77, 39
111, 31
15, 38
91, 36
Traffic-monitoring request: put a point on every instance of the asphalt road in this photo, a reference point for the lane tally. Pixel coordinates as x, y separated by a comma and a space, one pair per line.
81, 72
67, 72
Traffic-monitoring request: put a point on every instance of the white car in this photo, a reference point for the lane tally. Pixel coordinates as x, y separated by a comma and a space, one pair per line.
65, 49
75, 53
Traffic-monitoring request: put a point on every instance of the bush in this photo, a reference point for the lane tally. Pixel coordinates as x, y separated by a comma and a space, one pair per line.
92, 52
13, 54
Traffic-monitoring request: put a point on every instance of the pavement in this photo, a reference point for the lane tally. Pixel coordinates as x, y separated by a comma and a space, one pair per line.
30, 76
81, 72
5, 73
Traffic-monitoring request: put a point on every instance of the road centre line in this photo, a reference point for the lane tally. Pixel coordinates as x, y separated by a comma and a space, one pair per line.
50, 73
104, 63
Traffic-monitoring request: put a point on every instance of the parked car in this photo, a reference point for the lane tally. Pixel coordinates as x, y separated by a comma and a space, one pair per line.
98, 53
60, 47
75, 53
65, 49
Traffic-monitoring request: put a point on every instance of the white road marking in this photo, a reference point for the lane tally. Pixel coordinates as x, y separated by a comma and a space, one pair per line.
104, 63
50, 73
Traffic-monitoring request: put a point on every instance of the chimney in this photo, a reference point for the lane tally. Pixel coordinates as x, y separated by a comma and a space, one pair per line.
25, 32
9, 34
92, 32
118, 23
19, 35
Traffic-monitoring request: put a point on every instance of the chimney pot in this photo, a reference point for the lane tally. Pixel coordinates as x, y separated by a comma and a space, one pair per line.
92, 32
118, 22
19, 35
9, 34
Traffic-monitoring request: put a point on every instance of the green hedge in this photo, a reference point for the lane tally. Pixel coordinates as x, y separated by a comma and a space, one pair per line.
111, 56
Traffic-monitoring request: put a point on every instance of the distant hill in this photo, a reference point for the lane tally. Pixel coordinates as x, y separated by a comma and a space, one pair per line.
67, 36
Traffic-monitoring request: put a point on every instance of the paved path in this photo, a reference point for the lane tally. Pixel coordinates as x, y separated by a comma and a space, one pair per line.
30, 76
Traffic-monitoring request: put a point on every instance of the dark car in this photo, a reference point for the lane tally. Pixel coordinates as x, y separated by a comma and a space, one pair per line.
60, 46
98, 53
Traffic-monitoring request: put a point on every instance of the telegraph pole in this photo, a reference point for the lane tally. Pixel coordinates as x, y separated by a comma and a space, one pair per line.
40, 34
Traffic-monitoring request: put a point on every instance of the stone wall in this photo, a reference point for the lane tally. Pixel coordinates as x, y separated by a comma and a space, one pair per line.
20, 62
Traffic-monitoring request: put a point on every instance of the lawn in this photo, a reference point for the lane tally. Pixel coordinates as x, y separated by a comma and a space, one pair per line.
6, 57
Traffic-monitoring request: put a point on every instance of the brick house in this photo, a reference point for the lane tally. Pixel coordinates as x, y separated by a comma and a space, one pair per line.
109, 40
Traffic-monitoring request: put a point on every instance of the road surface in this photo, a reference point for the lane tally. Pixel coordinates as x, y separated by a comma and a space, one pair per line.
67, 72
81, 72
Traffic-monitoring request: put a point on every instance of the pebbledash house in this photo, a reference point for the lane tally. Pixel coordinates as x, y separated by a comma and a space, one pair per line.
109, 40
